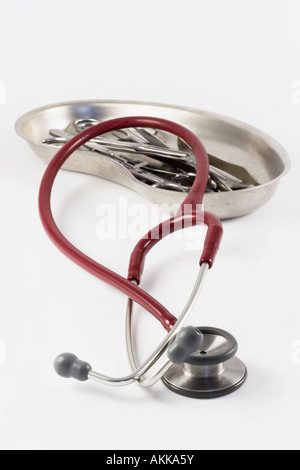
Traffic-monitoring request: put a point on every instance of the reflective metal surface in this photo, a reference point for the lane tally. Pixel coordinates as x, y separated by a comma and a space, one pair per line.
155, 164
206, 381
211, 372
223, 137
139, 371
165, 343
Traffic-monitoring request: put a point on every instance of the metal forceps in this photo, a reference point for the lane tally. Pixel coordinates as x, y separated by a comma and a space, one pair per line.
136, 140
166, 167
223, 175
151, 171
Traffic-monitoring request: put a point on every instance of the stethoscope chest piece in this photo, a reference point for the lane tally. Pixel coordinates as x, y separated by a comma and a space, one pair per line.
211, 372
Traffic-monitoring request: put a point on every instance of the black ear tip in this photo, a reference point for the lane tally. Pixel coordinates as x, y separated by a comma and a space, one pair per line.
187, 341
68, 365
64, 363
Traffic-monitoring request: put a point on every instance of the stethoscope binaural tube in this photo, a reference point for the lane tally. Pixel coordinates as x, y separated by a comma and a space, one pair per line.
193, 202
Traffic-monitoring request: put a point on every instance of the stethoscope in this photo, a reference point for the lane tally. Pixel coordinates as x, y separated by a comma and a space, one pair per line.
200, 361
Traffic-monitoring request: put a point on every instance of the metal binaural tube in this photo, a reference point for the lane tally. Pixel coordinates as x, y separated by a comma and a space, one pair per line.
138, 372
147, 382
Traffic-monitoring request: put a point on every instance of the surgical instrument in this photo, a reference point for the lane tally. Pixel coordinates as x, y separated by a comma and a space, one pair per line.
179, 171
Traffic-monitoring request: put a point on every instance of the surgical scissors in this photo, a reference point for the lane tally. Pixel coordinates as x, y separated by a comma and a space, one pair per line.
148, 170
173, 169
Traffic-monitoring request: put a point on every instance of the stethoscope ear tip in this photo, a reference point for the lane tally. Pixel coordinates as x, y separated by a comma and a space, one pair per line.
187, 341
68, 365
210, 372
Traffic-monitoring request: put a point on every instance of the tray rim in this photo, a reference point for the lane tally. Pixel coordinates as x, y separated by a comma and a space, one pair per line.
270, 141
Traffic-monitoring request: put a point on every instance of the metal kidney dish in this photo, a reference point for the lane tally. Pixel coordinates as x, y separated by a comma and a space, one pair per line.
226, 138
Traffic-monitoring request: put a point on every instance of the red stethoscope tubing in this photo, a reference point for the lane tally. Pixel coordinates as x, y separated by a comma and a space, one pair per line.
193, 201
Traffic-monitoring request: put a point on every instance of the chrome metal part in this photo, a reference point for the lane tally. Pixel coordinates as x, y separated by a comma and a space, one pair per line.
163, 346
138, 372
228, 139
212, 372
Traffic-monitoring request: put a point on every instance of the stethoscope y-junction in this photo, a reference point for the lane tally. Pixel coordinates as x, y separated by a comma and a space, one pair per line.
200, 361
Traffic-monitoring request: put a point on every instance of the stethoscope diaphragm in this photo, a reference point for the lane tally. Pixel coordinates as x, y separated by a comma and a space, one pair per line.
211, 372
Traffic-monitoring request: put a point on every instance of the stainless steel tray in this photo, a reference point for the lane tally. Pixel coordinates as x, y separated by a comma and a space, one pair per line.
223, 137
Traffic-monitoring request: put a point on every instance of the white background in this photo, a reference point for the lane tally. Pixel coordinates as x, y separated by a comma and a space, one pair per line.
236, 58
